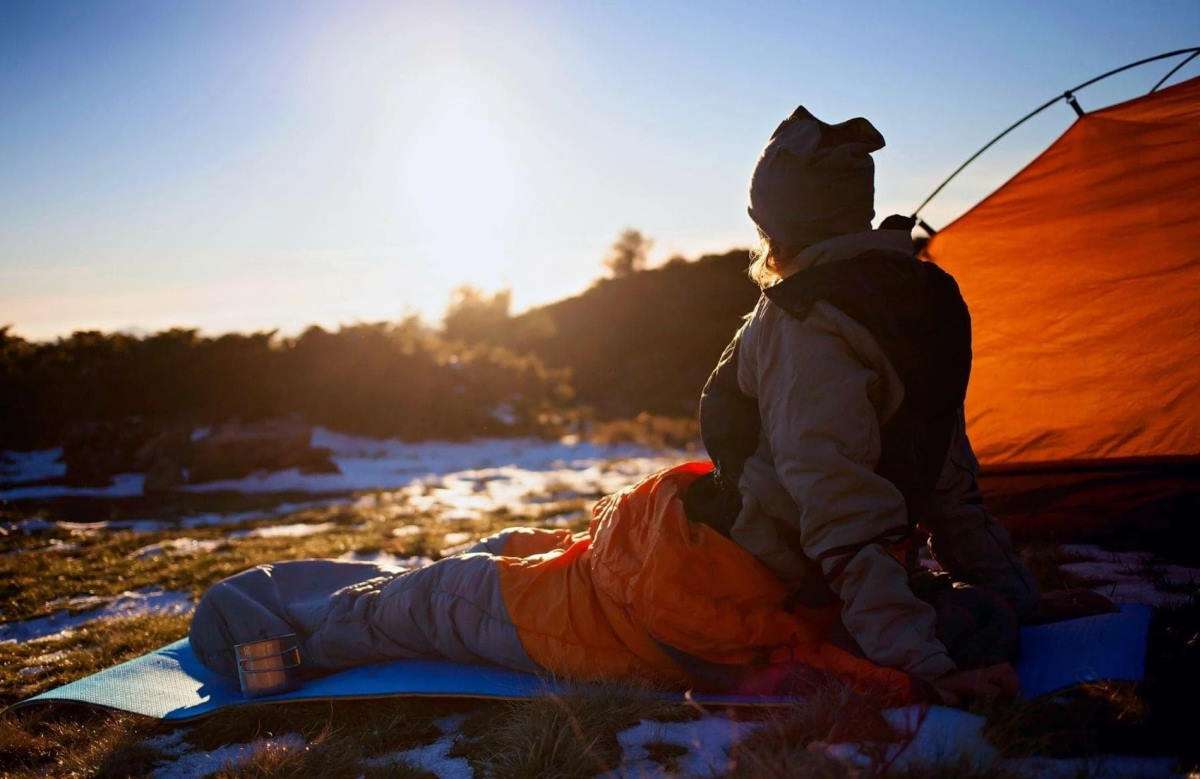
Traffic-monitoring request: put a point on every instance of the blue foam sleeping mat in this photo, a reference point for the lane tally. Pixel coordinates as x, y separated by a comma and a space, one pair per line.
171, 684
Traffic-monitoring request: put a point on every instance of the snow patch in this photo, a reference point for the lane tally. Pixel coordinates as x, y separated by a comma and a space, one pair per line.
515, 490
192, 765
34, 465
149, 600
434, 758
124, 485
1130, 577
171, 744
49, 657
1175, 575
380, 557
1143, 592
134, 525
190, 521
297, 530
236, 518
927, 736
524, 477
1099, 554
179, 547
366, 464
389, 464
52, 545
707, 740
937, 734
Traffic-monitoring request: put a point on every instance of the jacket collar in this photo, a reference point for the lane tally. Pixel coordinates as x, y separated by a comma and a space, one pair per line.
843, 247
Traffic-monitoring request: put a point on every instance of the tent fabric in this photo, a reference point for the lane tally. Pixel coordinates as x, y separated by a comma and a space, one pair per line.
1082, 273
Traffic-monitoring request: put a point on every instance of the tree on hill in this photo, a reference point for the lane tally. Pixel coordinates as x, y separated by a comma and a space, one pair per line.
628, 253
475, 316
384, 378
645, 341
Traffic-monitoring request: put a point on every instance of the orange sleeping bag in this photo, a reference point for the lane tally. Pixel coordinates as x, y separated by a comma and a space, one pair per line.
645, 585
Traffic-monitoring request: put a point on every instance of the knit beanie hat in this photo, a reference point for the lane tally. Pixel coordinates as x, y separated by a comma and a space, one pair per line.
814, 180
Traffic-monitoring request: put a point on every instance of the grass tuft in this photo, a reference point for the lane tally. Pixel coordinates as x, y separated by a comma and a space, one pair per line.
833, 714
558, 737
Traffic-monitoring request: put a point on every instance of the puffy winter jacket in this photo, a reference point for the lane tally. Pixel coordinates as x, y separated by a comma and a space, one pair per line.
824, 388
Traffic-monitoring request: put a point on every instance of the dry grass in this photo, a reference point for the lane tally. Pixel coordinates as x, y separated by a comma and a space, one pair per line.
782, 746
72, 742
1082, 721
666, 755
338, 736
562, 736
1043, 560
658, 432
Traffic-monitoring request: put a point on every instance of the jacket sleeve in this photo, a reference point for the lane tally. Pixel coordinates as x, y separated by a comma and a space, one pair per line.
966, 539
816, 398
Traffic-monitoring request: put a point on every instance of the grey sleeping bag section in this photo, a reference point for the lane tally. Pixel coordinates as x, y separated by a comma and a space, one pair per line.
347, 614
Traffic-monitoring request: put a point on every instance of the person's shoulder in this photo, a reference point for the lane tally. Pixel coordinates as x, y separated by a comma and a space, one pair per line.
773, 333
822, 319
825, 330
756, 319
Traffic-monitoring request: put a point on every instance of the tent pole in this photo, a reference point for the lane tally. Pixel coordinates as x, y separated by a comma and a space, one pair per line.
1069, 96
1174, 70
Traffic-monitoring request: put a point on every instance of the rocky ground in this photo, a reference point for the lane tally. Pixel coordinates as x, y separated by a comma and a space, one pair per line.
91, 576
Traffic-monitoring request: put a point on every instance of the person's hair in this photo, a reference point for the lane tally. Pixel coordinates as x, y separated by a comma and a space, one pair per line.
766, 265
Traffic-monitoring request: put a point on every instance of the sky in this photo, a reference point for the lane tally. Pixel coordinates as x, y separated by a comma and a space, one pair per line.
249, 165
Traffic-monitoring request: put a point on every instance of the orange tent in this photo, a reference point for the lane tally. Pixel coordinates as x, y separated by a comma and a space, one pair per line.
1083, 277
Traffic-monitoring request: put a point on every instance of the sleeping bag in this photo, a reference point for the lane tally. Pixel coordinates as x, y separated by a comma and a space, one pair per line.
643, 594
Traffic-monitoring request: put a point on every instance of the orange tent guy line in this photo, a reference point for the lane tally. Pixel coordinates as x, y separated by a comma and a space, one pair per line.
1083, 277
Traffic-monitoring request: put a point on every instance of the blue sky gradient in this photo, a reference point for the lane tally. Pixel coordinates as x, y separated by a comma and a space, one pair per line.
253, 165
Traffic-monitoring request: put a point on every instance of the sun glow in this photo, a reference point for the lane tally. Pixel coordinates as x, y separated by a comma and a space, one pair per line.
459, 178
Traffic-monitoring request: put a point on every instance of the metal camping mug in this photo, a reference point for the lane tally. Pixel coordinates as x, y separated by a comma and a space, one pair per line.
268, 666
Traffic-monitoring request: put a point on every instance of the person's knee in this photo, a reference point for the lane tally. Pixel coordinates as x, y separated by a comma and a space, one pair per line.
245, 607
209, 634
493, 544
522, 542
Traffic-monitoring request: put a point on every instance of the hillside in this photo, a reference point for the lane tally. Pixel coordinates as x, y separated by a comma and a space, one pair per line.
642, 342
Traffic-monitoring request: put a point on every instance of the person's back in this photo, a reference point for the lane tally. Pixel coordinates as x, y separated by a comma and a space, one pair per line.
826, 389
816, 501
